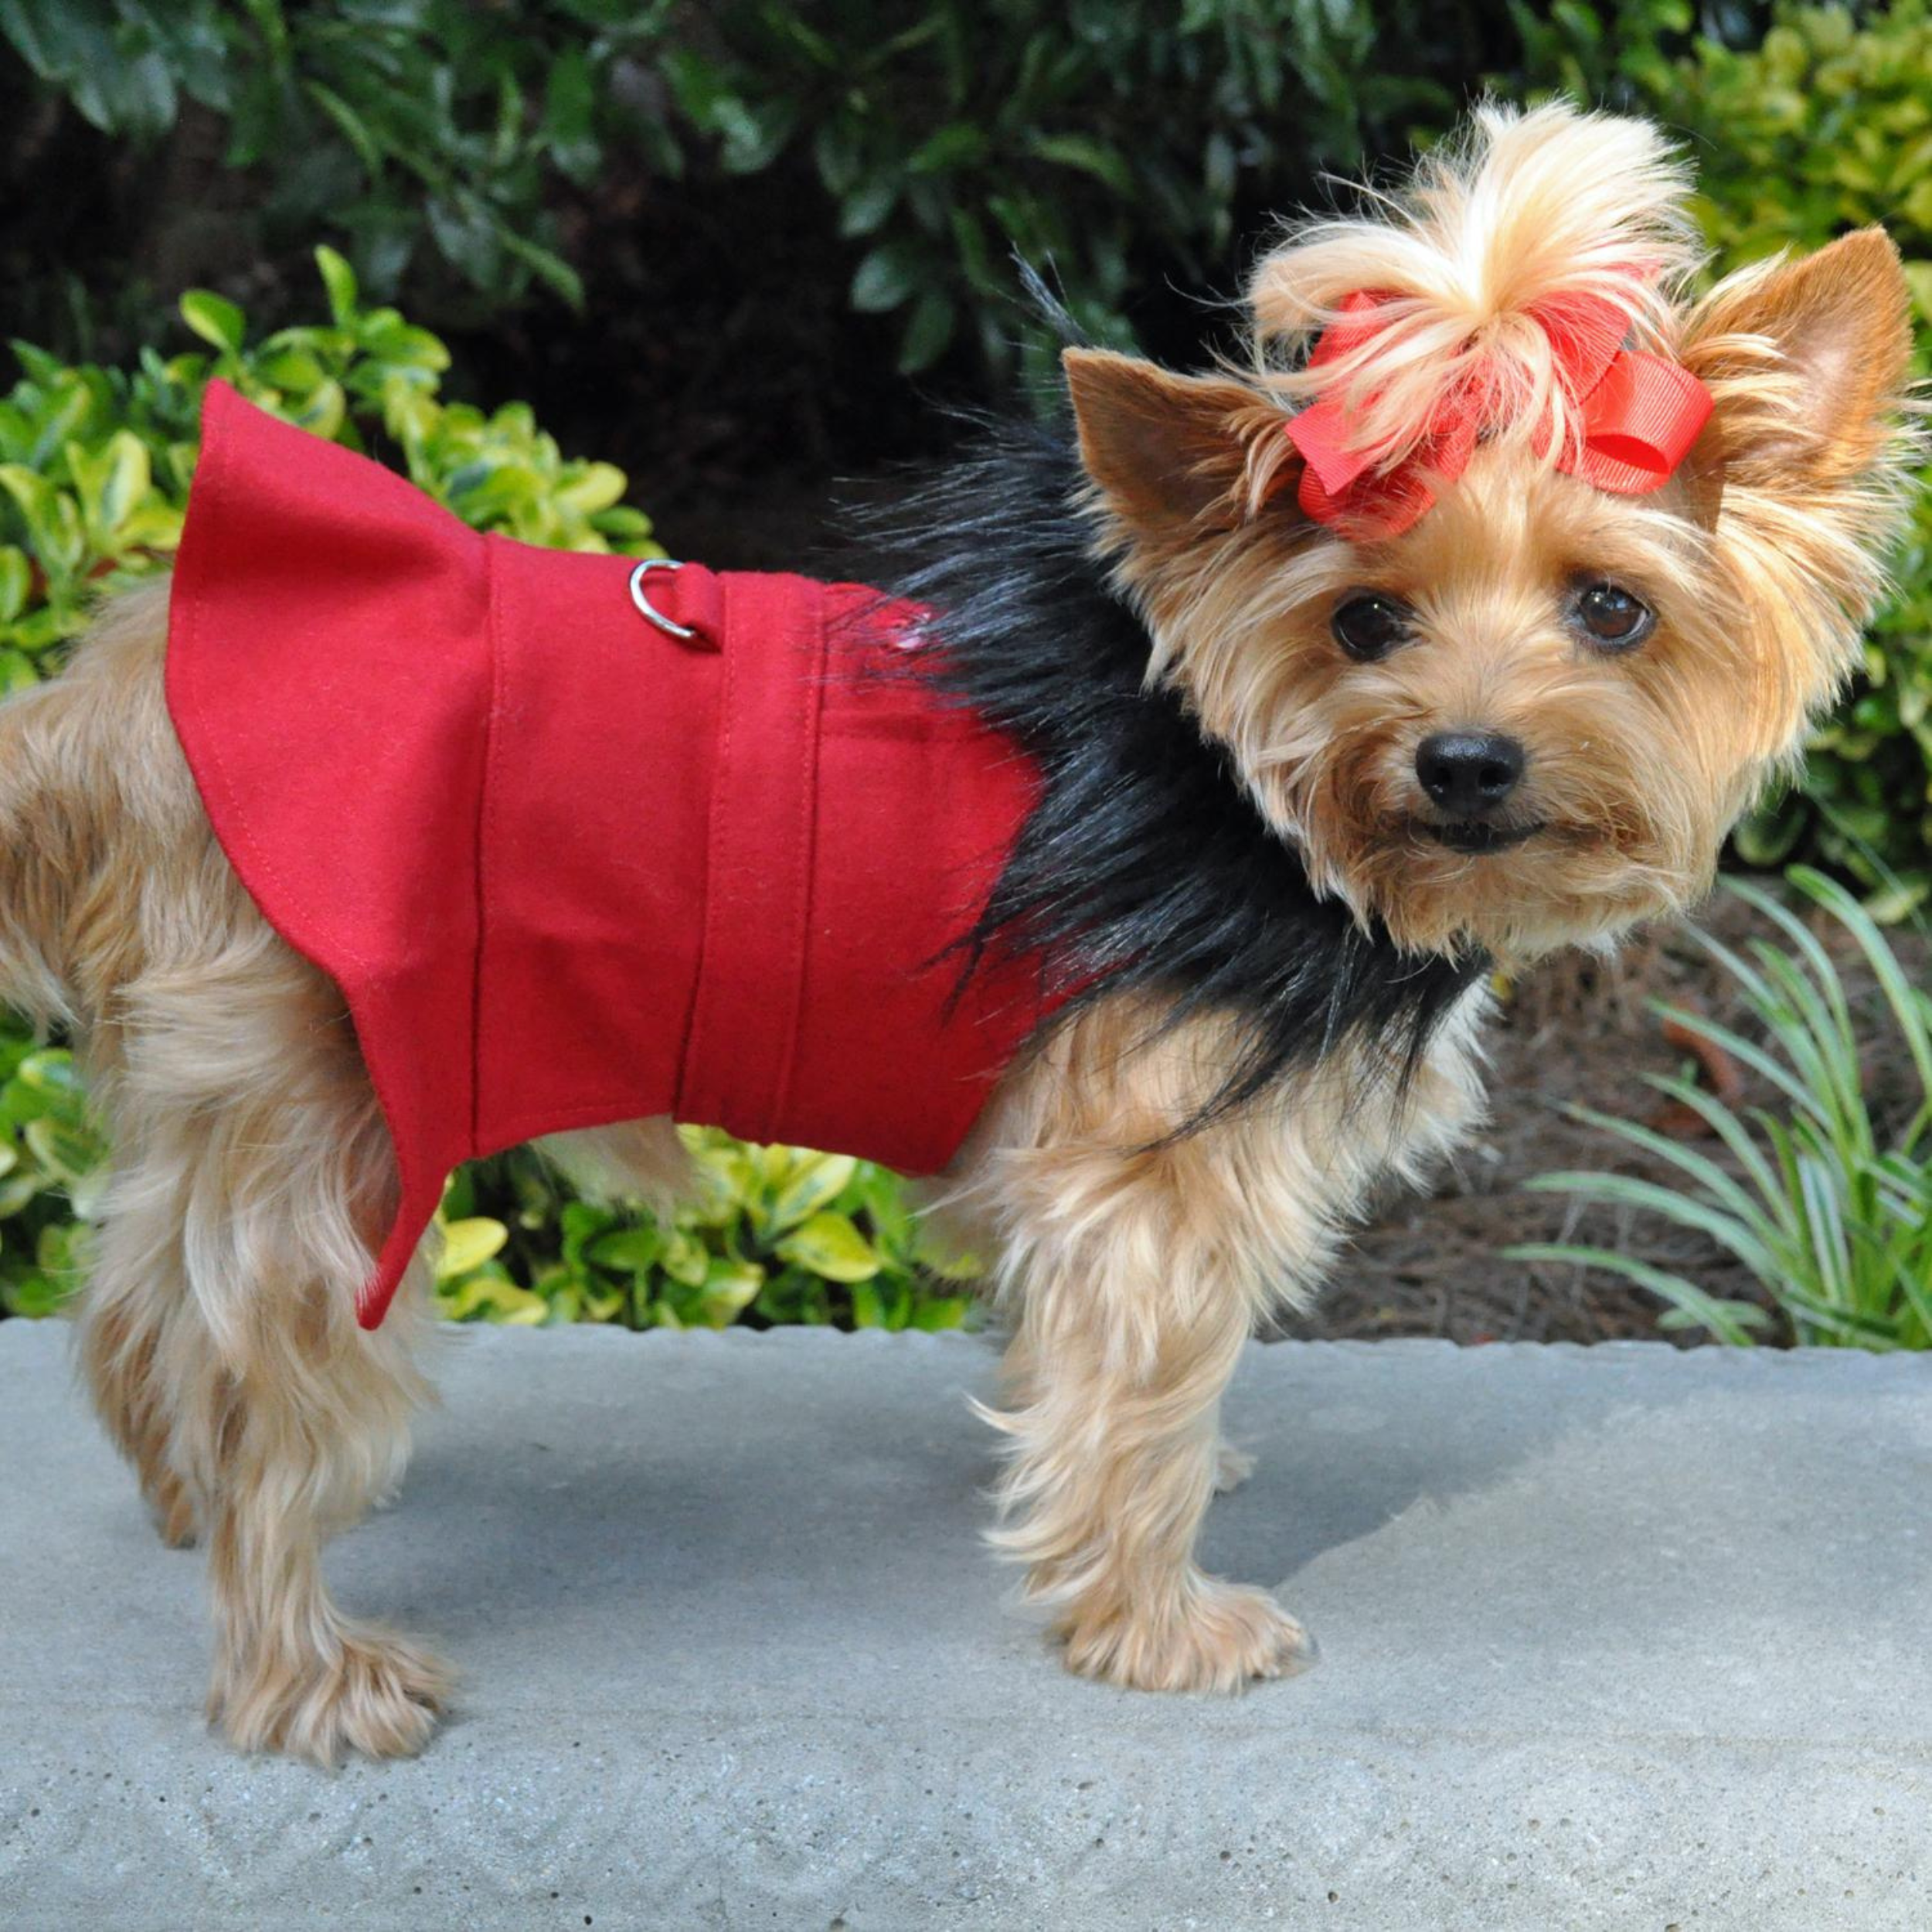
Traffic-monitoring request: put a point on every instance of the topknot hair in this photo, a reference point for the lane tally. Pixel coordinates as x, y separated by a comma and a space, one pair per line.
1521, 213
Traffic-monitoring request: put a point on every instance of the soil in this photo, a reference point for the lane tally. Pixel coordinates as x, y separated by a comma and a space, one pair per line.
1578, 1031
1582, 1031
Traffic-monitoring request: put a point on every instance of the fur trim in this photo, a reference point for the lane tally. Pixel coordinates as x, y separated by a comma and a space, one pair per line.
1145, 867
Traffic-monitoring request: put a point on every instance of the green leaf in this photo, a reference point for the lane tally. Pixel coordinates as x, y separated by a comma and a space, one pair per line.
592, 487
755, 133
55, 1083
338, 282
829, 1245
467, 1244
863, 211
628, 1250
685, 1259
928, 334
956, 145
16, 580
838, 154
1893, 903
493, 1298
935, 1313
1730, 1321
1090, 156
939, 1259
19, 1188
112, 483
37, 1294
291, 369
70, 1154
882, 279
550, 268
55, 533
730, 1286
355, 129
1767, 838
570, 107
323, 411
812, 1183
214, 318
391, 340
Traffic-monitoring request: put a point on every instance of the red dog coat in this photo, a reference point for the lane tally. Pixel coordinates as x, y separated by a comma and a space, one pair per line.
568, 870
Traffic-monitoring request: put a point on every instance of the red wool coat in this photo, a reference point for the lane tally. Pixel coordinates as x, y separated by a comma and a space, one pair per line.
567, 868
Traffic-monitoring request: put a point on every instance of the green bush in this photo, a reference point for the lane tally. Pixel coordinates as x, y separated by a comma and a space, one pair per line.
1825, 127
779, 1234
924, 146
411, 128
53, 1169
1108, 141
94, 469
1827, 1205
94, 463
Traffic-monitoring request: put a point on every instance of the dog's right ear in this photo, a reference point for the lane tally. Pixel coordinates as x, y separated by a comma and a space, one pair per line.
1808, 362
1168, 454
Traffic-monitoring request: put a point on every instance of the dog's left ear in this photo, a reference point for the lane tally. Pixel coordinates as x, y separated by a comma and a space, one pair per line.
1168, 453
1807, 363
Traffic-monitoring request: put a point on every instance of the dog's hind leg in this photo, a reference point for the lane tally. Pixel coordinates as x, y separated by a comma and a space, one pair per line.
254, 1172
131, 1317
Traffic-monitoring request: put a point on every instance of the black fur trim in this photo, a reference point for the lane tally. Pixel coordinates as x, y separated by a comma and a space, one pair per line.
1144, 865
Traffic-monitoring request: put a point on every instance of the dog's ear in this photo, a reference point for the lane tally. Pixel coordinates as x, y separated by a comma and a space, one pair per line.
1807, 363
1169, 454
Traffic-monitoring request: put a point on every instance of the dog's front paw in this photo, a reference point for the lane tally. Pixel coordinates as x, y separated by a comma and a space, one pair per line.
1207, 1635
366, 1691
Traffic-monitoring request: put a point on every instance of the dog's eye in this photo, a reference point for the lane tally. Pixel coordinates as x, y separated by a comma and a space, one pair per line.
1612, 616
1370, 625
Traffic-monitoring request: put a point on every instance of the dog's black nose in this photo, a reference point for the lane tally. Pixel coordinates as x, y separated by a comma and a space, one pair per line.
1469, 774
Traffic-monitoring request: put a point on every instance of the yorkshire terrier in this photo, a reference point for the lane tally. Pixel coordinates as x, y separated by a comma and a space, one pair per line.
1457, 625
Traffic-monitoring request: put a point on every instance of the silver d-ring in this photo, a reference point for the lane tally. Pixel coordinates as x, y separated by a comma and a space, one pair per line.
644, 606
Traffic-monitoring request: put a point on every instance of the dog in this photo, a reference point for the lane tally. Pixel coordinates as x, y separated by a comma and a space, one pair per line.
1456, 625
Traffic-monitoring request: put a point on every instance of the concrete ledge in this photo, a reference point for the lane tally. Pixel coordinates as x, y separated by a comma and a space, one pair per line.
1617, 1637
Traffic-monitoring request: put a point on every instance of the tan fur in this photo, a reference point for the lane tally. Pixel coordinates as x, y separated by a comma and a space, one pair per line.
253, 1173
1517, 210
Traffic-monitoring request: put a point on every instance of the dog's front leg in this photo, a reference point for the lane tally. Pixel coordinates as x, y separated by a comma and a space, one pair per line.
1113, 1385
1134, 1265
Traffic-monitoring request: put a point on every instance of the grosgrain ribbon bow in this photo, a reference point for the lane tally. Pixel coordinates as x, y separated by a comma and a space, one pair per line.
1639, 414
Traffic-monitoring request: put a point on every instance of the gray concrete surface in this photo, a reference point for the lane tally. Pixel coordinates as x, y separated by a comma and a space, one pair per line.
1616, 1637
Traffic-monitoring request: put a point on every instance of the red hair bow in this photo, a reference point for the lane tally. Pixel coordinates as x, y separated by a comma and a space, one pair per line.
1639, 414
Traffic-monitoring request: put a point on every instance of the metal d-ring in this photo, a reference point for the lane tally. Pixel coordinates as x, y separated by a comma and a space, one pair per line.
645, 607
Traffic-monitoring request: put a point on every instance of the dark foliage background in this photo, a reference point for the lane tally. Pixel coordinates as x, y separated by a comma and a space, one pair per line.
711, 242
